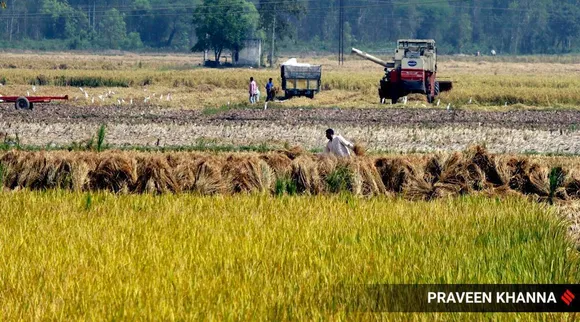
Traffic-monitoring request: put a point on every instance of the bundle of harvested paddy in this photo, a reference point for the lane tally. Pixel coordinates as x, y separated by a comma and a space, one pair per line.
433, 169
11, 162
280, 163
32, 170
572, 184
80, 175
414, 177
395, 173
400, 176
368, 176
460, 173
528, 177
185, 173
208, 177
326, 164
416, 188
495, 170
114, 172
305, 175
248, 174
58, 171
154, 175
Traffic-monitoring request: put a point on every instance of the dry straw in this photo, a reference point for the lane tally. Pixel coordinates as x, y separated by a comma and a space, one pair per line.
420, 178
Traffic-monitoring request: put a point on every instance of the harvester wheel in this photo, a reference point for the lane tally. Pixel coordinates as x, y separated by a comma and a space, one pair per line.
394, 99
22, 103
430, 98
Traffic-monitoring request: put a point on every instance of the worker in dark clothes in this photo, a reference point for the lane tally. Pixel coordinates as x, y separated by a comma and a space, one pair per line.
270, 90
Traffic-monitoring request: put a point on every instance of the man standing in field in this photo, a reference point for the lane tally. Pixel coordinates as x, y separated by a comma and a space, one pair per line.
253, 91
270, 91
337, 145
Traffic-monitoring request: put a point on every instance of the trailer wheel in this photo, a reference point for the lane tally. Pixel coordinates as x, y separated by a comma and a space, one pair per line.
436, 88
22, 103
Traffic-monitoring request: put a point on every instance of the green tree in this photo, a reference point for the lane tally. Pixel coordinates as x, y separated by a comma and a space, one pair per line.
565, 26
224, 24
112, 29
462, 28
276, 19
63, 21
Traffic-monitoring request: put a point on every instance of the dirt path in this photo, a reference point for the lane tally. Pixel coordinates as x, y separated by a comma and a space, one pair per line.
391, 129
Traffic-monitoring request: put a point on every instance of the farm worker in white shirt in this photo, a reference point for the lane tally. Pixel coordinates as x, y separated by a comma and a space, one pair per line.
337, 145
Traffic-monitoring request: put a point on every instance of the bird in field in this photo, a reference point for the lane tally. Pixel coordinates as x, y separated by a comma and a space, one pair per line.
3, 5
34, 89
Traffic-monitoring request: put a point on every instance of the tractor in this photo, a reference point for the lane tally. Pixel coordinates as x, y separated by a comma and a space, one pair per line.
413, 70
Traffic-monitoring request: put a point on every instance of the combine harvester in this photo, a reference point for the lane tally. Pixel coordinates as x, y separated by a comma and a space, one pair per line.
413, 70
27, 102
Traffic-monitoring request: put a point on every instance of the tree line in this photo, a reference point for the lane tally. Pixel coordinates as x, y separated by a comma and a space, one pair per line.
458, 26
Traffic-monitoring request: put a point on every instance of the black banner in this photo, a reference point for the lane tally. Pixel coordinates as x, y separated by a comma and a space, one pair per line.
459, 298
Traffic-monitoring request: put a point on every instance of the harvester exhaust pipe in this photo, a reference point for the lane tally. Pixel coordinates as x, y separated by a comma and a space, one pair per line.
372, 58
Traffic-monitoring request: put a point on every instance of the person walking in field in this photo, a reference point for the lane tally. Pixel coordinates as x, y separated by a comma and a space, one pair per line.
337, 145
253, 91
270, 91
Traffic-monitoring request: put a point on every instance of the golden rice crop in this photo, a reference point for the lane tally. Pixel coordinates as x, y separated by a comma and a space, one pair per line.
99, 256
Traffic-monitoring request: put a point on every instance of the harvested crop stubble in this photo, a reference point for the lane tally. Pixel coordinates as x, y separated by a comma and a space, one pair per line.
425, 178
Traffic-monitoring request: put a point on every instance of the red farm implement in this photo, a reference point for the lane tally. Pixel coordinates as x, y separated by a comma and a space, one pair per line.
27, 102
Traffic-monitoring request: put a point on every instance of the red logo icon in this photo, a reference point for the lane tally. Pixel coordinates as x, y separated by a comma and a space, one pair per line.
568, 297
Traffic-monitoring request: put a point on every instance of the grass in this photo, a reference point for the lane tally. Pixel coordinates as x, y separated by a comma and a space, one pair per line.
103, 257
